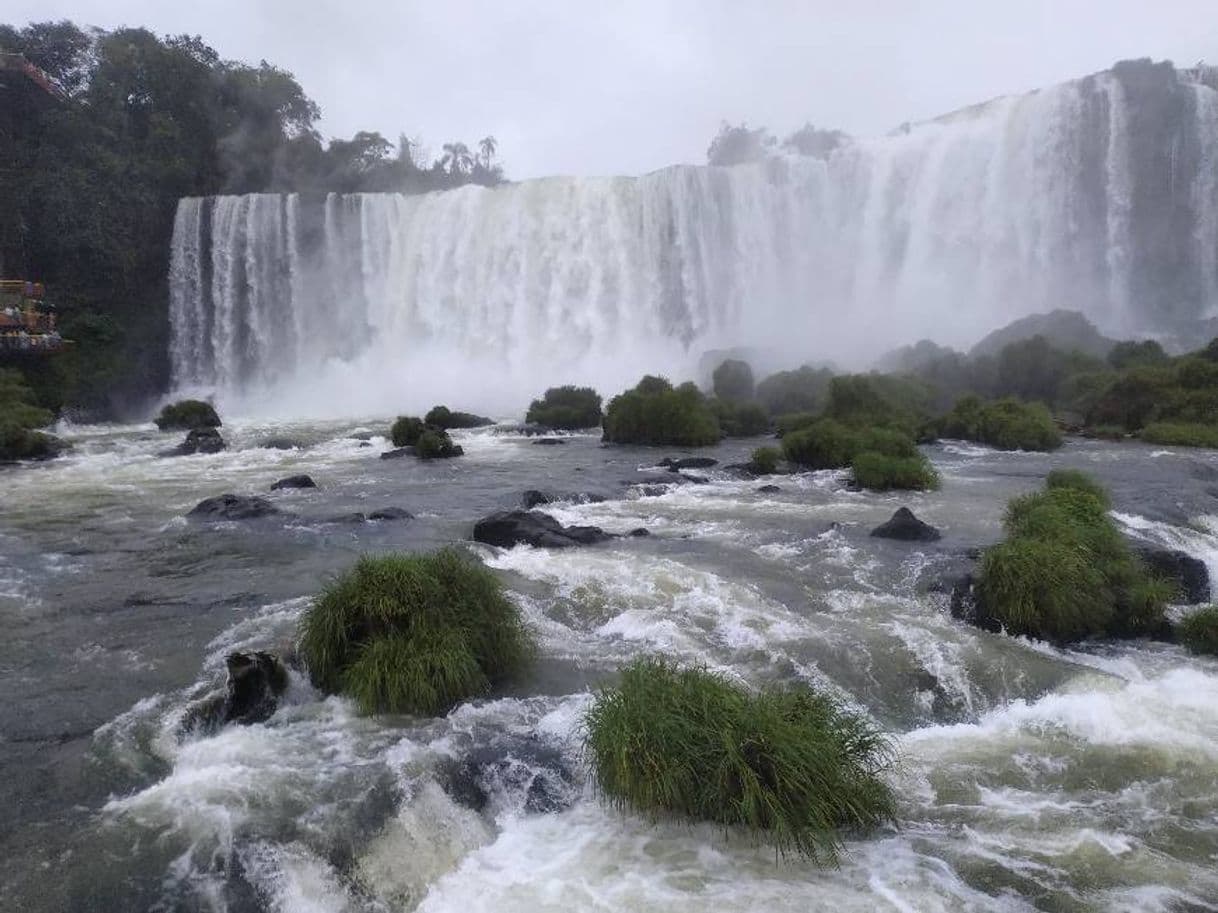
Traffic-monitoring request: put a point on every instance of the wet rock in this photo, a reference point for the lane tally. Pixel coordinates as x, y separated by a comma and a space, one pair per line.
363, 444
520, 527
675, 464
967, 605
638, 533
251, 694
1190, 574
298, 481
355, 517
519, 772
906, 527
547, 442
397, 452
768, 489
281, 443
199, 440
233, 507
391, 513
533, 498
361, 436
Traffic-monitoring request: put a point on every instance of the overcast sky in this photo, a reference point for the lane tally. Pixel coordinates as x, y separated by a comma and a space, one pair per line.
598, 88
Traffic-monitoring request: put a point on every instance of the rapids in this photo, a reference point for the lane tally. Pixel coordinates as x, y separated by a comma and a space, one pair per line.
1032, 778
1099, 195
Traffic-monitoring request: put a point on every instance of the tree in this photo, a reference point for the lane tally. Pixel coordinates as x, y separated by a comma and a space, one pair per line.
814, 142
487, 147
738, 145
733, 380
456, 159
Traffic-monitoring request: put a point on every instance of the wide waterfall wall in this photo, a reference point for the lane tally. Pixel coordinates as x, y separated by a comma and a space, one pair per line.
1099, 195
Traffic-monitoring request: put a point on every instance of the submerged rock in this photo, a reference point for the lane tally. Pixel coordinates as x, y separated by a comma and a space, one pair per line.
532, 498
233, 507
353, 517
199, 440
675, 464
391, 513
520, 527
251, 694
299, 481
397, 452
281, 443
768, 489
548, 441
520, 772
903, 525
1190, 574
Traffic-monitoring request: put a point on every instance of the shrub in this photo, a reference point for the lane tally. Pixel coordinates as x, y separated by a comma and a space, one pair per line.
878, 400
1006, 424
1199, 631
764, 460
790, 766
413, 633
18, 443
1065, 572
187, 415
1181, 434
827, 444
880, 472
794, 421
1129, 353
654, 413
738, 419
567, 408
733, 380
803, 390
17, 408
433, 444
406, 431
443, 418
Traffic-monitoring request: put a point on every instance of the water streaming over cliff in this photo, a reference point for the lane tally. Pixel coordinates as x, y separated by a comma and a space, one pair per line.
1098, 194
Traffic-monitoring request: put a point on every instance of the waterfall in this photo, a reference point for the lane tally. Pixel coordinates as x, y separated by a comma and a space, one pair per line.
1098, 195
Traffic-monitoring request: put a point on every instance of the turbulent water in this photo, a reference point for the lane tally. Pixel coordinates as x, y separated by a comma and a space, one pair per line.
1031, 778
1099, 195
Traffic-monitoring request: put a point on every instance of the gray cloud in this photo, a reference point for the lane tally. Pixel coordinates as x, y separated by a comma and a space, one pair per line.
589, 88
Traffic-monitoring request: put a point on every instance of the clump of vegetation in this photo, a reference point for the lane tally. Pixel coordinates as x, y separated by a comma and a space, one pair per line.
434, 444
1199, 631
655, 413
187, 415
789, 765
764, 461
1065, 572
1006, 424
407, 430
879, 401
1181, 434
740, 419
566, 408
414, 633
445, 419
825, 444
794, 421
803, 390
881, 472
733, 381
19, 418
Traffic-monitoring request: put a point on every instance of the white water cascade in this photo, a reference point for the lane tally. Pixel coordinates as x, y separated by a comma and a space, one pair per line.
1076, 196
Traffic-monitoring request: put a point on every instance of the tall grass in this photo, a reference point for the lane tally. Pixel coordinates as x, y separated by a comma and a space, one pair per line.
414, 633
1199, 631
789, 765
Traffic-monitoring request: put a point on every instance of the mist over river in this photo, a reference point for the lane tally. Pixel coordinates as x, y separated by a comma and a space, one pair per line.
1031, 778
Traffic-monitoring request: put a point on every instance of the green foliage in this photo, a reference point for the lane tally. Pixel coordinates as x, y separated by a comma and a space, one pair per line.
1125, 355
187, 415
566, 408
414, 633
1199, 631
804, 390
790, 766
740, 419
1065, 573
655, 413
406, 431
881, 472
878, 400
444, 418
434, 444
1006, 424
764, 460
733, 381
17, 407
1181, 434
827, 444
794, 421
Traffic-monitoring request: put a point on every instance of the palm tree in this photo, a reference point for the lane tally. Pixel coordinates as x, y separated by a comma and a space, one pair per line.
487, 145
457, 158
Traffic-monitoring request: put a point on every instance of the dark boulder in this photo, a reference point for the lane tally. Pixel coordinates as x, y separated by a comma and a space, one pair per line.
233, 507
638, 533
281, 443
251, 694
967, 605
675, 464
533, 498
548, 442
300, 481
397, 452
354, 517
391, 513
361, 435
199, 440
520, 527
522, 772
906, 527
769, 489
1191, 576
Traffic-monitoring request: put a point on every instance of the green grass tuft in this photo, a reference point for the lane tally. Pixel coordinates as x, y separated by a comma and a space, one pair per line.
406, 431
764, 460
433, 444
879, 472
414, 633
1199, 631
566, 408
825, 444
655, 413
187, 415
1181, 434
789, 765
1007, 424
1080, 481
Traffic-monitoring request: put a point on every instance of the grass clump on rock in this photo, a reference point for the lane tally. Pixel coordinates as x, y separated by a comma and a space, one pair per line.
657, 414
1199, 632
882, 459
444, 418
19, 417
788, 765
740, 419
1181, 434
880, 472
566, 408
433, 444
1007, 424
414, 633
1065, 572
187, 415
764, 460
407, 430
